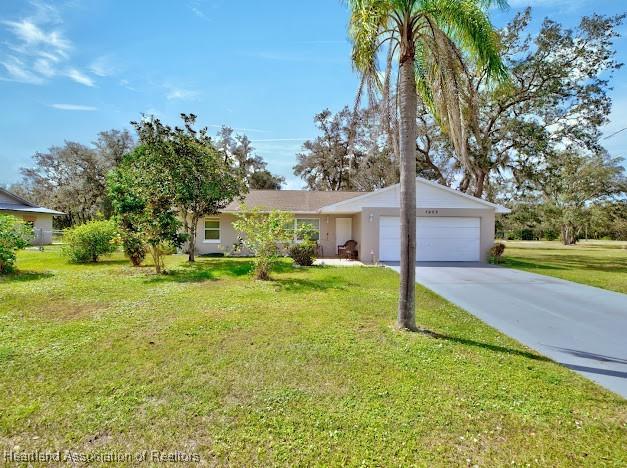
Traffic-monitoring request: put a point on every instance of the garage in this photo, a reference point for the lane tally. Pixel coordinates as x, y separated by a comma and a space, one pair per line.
438, 239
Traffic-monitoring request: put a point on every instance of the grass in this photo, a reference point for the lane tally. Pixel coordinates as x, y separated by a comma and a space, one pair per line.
304, 370
598, 263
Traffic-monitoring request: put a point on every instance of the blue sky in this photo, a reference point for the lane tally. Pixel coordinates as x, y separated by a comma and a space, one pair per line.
69, 69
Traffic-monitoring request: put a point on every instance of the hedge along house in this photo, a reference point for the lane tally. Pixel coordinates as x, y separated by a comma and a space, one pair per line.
451, 226
38, 217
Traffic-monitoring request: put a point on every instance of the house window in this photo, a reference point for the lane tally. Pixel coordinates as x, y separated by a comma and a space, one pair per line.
315, 227
212, 230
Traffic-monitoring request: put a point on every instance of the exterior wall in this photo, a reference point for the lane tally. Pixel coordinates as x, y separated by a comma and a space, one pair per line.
42, 224
370, 227
357, 234
228, 235
365, 227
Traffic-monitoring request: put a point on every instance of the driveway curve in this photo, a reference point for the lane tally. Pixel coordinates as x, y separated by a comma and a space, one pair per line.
582, 327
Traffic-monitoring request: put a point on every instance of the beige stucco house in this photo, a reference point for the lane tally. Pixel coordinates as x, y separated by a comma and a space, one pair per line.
40, 218
450, 225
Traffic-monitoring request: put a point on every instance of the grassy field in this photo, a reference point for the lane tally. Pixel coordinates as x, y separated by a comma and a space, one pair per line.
598, 263
306, 369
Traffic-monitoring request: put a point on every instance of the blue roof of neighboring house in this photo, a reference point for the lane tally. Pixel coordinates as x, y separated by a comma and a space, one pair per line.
28, 209
24, 205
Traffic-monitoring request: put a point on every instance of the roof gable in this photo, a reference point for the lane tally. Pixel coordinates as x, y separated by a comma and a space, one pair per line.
428, 195
11, 198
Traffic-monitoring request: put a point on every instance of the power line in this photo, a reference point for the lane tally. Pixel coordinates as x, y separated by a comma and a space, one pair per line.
615, 133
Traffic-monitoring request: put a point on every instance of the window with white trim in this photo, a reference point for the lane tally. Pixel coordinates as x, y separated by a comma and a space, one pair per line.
315, 227
212, 230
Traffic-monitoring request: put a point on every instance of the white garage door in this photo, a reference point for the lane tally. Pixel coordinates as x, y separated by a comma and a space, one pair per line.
437, 239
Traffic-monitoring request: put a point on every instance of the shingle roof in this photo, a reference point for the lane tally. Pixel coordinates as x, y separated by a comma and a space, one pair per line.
303, 201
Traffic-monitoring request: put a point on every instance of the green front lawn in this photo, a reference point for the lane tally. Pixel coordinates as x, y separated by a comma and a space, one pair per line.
598, 263
306, 369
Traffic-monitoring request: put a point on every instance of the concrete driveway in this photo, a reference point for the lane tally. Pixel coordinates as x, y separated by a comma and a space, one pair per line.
582, 327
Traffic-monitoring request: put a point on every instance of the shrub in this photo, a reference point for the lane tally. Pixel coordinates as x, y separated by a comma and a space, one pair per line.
134, 248
168, 248
87, 242
550, 235
303, 254
14, 235
264, 235
496, 252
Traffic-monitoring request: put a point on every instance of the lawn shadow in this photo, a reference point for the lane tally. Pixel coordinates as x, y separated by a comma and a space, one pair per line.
516, 263
562, 262
204, 269
22, 276
103, 261
491, 347
297, 285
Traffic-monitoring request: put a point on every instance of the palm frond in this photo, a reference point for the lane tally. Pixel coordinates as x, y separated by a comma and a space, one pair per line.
469, 26
368, 21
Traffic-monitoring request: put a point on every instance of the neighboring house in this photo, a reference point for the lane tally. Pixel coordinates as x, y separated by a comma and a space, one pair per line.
40, 218
451, 226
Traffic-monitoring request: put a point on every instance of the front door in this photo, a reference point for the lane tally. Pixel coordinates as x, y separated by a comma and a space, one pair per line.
343, 230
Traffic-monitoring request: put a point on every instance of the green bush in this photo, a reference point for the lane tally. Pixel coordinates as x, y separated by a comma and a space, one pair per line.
87, 242
303, 254
134, 248
14, 235
550, 235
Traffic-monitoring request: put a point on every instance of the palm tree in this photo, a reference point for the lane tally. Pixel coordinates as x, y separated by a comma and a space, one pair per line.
430, 39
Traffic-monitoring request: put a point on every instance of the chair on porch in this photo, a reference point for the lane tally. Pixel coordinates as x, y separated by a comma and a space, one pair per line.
348, 250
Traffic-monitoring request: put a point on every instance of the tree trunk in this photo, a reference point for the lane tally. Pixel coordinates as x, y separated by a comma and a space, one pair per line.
191, 246
407, 136
155, 252
568, 234
465, 182
480, 177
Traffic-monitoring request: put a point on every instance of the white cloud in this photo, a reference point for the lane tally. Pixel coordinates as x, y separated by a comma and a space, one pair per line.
44, 13
126, 84
198, 12
537, 3
267, 140
153, 112
196, 7
103, 66
39, 49
74, 107
32, 38
79, 77
251, 130
16, 70
175, 93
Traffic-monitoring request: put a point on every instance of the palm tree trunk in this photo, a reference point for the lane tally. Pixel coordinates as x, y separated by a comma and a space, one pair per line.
407, 137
